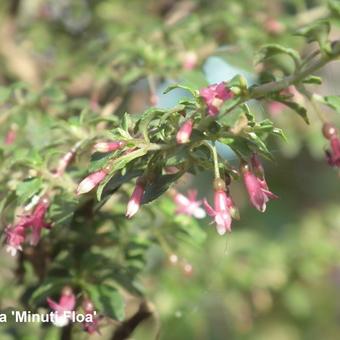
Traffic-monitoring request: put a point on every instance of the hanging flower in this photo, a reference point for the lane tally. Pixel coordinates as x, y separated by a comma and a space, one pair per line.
189, 205
135, 199
91, 181
256, 185
214, 96
66, 303
15, 237
184, 132
38, 222
90, 326
333, 155
222, 204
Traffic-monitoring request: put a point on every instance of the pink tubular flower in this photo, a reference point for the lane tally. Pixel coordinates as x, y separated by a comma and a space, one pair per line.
257, 187
91, 181
135, 199
333, 155
90, 326
221, 211
188, 205
214, 96
15, 237
108, 146
66, 303
184, 132
37, 221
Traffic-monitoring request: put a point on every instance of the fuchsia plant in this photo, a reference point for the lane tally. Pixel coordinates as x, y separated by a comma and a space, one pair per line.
81, 197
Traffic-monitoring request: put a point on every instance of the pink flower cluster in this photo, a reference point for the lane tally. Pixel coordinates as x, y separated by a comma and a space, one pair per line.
15, 235
214, 96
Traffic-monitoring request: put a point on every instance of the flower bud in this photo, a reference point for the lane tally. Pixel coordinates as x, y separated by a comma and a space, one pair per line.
91, 181
184, 133
135, 199
108, 146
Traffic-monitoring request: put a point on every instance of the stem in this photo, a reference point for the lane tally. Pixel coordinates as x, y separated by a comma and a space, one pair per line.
275, 86
213, 151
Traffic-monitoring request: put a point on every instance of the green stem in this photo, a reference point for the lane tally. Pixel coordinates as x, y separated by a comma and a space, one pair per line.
213, 151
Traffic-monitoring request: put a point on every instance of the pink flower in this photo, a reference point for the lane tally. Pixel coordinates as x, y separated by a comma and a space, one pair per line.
184, 132
190, 61
221, 211
90, 326
273, 26
188, 205
66, 303
37, 221
333, 155
214, 96
91, 181
11, 136
108, 146
15, 237
257, 187
135, 199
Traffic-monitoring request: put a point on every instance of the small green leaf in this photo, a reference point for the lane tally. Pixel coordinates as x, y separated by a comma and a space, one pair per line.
270, 50
317, 31
183, 87
312, 80
107, 300
333, 102
27, 188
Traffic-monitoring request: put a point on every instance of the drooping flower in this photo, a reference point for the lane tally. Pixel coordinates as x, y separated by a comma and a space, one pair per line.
11, 136
37, 221
189, 205
91, 181
108, 146
184, 132
15, 237
222, 204
214, 96
90, 326
333, 155
257, 187
135, 199
66, 303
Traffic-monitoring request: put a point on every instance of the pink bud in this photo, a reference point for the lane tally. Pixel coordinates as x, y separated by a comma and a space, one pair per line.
184, 133
214, 96
91, 181
38, 220
135, 200
108, 146
90, 326
333, 155
190, 60
11, 136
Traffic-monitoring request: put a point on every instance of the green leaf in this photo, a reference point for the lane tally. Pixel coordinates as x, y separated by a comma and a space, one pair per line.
334, 6
27, 188
183, 87
5, 93
300, 110
333, 102
312, 80
118, 164
317, 31
107, 300
145, 120
159, 185
270, 50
